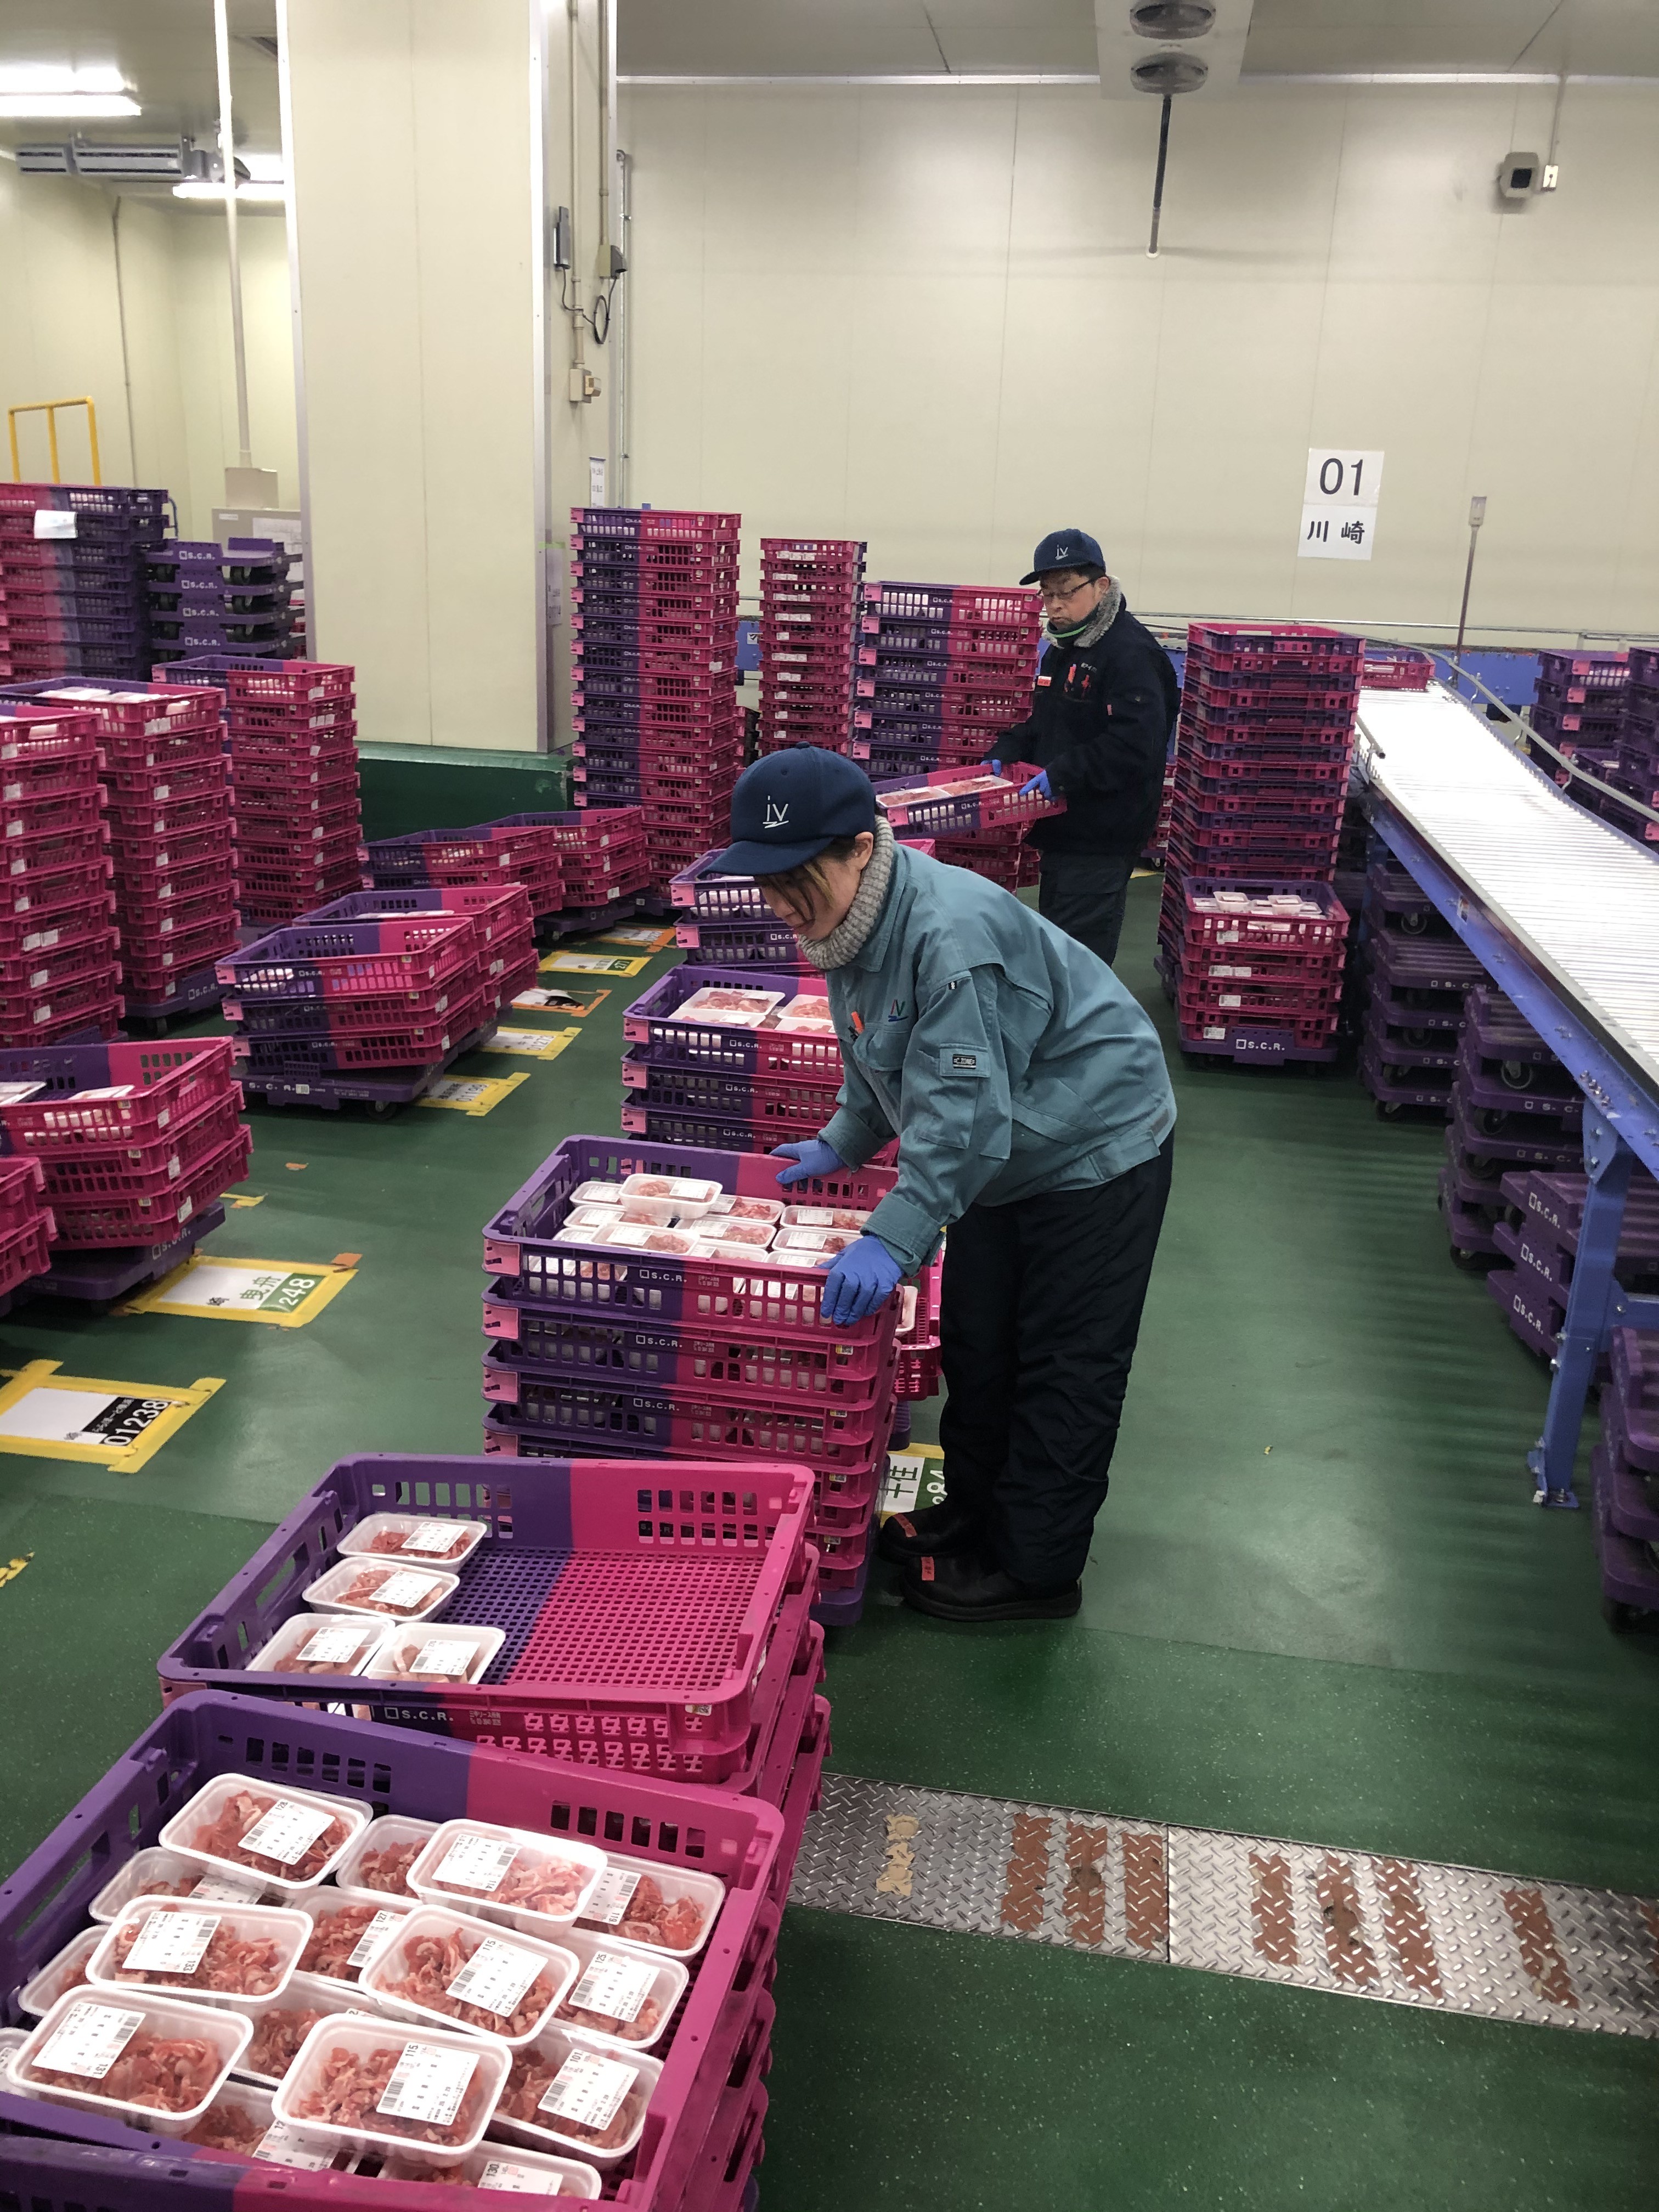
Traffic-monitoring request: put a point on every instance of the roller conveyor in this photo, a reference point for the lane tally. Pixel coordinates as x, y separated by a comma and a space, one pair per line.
1563, 910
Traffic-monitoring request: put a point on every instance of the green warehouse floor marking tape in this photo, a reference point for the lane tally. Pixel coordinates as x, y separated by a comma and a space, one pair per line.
44, 1414
211, 1288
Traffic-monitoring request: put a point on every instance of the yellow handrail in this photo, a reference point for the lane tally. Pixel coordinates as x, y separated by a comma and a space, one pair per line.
49, 408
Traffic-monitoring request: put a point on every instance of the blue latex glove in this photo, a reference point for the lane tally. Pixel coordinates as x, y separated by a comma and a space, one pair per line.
813, 1159
994, 766
862, 1275
1039, 783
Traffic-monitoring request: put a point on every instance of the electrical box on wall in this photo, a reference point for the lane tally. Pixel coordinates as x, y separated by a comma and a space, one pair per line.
1518, 175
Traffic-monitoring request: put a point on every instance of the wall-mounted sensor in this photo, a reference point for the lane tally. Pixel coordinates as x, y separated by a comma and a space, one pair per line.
1518, 175
561, 239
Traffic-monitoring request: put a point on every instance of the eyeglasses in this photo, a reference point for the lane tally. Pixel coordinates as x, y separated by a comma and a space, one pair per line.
1054, 598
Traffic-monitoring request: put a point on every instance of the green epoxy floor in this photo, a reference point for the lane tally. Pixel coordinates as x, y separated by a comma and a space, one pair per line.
1320, 1606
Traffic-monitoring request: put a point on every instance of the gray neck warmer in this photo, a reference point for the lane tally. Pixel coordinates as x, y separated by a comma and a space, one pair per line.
848, 939
1097, 626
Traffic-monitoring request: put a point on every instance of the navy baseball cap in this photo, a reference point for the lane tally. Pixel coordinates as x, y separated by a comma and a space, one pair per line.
1065, 549
787, 806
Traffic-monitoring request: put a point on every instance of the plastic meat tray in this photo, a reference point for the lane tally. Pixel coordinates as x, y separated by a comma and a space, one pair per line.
636, 1600
721, 2029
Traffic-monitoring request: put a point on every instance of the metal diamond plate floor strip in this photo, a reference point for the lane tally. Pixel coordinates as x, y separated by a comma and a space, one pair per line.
1401, 1931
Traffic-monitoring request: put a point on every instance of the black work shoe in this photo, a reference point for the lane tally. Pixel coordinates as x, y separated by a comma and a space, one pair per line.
936, 1528
965, 1587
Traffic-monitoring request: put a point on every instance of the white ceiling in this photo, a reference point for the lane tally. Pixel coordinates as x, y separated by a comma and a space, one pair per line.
164, 49
832, 37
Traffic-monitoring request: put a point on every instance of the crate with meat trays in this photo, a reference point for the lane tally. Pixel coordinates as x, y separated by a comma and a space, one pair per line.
954, 802
748, 1052
221, 2066
1254, 966
640, 1276
59, 957
370, 1010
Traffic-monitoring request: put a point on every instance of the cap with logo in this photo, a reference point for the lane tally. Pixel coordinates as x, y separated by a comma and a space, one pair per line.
1065, 549
786, 808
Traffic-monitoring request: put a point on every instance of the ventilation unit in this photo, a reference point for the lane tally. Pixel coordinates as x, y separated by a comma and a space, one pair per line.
1198, 46
122, 165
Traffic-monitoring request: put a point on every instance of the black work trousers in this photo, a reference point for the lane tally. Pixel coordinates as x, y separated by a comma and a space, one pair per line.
1040, 1312
1084, 894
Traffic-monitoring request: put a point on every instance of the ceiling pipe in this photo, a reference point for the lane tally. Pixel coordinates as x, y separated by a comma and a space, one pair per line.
1157, 182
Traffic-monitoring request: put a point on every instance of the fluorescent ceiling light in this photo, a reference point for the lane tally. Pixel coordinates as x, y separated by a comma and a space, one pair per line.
64, 106
199, 188
49, 78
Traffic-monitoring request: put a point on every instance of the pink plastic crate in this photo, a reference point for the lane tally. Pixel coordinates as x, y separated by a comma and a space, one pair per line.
114, 1220
1005, 807
762, 1053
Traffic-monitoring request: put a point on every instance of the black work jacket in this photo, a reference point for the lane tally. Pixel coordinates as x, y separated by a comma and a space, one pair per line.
1100, 723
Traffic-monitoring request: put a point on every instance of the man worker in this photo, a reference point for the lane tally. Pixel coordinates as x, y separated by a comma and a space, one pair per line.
1105, 702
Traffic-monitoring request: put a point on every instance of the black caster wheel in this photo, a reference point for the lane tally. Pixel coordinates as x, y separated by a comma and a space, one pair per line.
1471, 1263
1388, 1109
381, 1109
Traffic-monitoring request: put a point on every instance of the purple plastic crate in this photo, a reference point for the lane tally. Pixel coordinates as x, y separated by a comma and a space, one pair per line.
1471, 1226
1486, 1090
843, 1608
290, 1084
741, 1838
1255, 1045
194, 995
1538, 1322
1629, 1574
1394, 1087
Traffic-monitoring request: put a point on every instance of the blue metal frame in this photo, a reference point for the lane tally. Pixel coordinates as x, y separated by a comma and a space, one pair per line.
1621, 1125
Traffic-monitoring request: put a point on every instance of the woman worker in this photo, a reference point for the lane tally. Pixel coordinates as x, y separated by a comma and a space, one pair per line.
1033, 1115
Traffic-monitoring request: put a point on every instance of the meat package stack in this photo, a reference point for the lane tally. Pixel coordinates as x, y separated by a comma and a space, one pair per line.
293, 729
496, 1889
810, 592
205, 597
944, 669
517, 849
137, 1145
1578, 709
1625, 1463
1636, 772
173, 837
660, 1298
653, 674
370, 999
72, 578
1261, 774
60, 973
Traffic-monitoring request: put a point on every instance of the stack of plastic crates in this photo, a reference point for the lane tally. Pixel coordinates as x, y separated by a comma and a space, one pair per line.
727, 924
27, 1227
1578, 709
372, 1011
1625, 1464
698, 1077
519, 849
209, 598
137, 1143
1637, 769
499, 913
1261, 776
1412, 972
944, 669
653, 673
59, 965
674, 2100
1258, 968
293, 742
970, 818
172, 838
679, 1345
809, 630
77, 605
604, 862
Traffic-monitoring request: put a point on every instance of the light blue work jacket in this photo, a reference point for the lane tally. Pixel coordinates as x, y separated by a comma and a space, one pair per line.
1007, 1059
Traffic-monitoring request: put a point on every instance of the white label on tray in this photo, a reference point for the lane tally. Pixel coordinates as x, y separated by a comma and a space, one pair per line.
520, 2180
427, 2083
87, 2040
379, 1929
287, 1831
588, 2089
614, 1985
406, 1591
479, 1862
495, 1977
224, 1889
609, 1903
171, 1943
333, 1647
433, 1536
282, 2144
814, 1217
439, 1657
